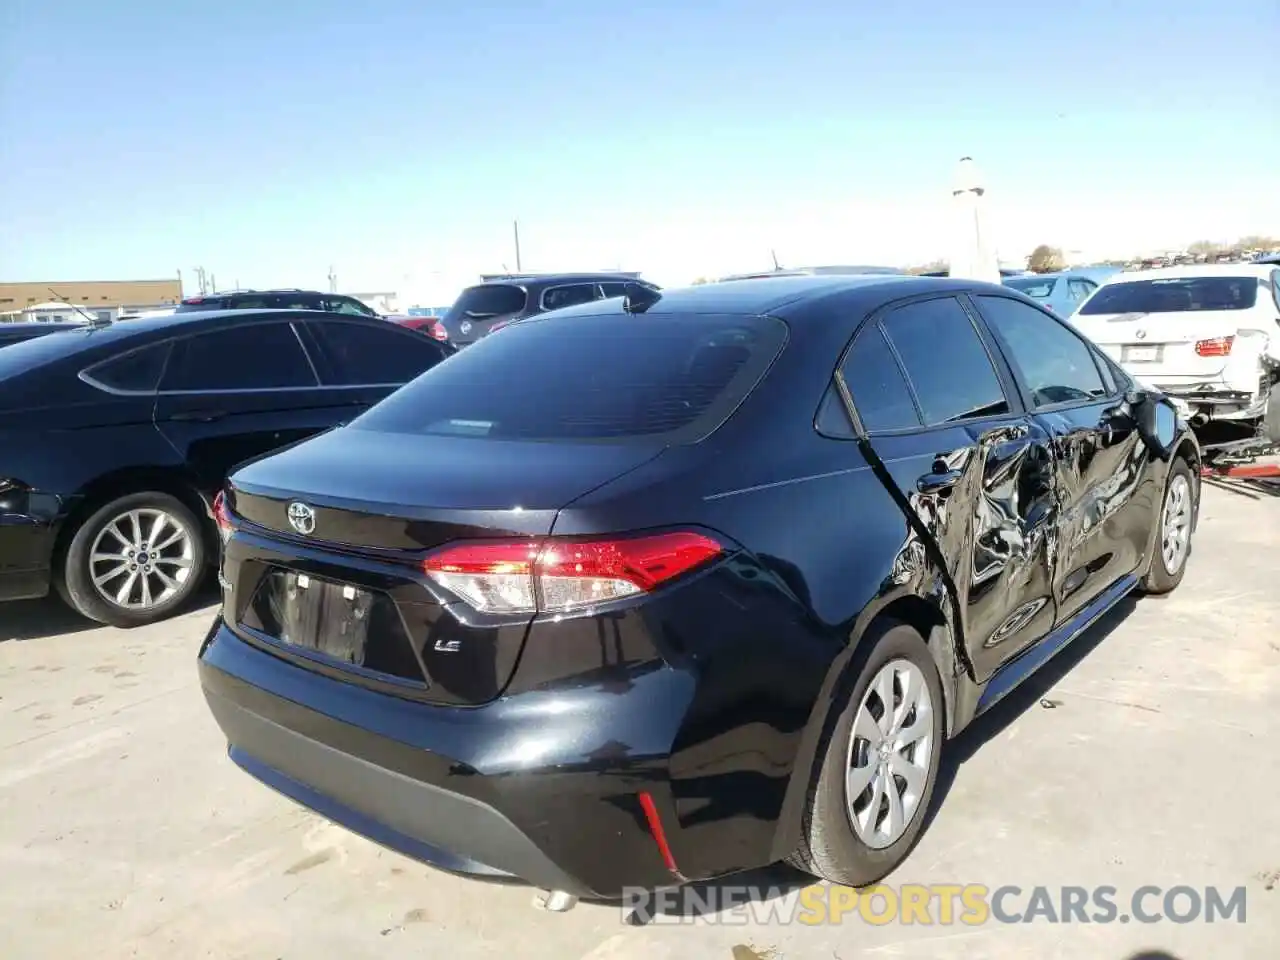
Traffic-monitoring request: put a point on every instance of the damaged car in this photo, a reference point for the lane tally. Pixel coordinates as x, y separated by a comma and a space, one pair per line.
1208, 336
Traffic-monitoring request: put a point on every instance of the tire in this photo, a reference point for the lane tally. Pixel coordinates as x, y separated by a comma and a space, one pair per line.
831, 848
182, 561
1162, 577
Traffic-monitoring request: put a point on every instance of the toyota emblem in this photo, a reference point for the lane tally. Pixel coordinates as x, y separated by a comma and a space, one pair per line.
1140, 334
302, 518
465, 326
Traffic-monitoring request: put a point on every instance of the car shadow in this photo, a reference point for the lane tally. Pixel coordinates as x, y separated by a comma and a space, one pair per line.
49, 616
1031, 692
37, 619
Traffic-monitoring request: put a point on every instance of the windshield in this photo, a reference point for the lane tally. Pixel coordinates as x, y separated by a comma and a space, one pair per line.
488, 300
1174, 295
589, 378
1038, 288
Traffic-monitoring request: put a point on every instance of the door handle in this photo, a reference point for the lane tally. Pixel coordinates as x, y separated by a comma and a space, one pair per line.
198, 416
938, 482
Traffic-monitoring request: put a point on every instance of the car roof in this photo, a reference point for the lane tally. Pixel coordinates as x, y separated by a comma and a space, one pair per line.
42, 325
82, 338
546, 279
1194, 270
769, 295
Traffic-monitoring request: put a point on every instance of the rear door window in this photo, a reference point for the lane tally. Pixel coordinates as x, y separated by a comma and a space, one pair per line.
1080, 289
360, 354
348, 305
570, 295
945, 361
879, 390
293, 301
662, 377
1056, 364
255, 356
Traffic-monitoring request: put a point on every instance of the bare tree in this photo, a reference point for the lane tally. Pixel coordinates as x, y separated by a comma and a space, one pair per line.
1045, 259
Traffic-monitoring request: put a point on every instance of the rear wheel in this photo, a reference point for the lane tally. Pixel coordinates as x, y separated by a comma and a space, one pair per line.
869, 797
135, 561
1173, 539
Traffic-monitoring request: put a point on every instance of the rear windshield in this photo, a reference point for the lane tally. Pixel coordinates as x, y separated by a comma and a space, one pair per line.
606, 378
1174, 295
488, 300
1038, 288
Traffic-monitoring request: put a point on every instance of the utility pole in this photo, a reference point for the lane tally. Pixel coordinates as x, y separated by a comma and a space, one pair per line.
515, 225
202, 281
213, 283
333, 280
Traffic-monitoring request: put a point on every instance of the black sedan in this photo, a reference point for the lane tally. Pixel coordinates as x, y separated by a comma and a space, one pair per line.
669, 586
115, 438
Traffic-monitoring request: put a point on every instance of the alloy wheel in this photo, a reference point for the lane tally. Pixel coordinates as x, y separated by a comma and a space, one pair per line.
889, 752
1175, 524
141, 559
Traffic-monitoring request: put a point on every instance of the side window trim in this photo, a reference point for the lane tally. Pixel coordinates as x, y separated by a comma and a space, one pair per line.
1019, 379
311, 361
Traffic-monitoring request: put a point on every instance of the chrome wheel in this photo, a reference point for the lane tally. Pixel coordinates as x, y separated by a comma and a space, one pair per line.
141, 559
1175, 524
889, 752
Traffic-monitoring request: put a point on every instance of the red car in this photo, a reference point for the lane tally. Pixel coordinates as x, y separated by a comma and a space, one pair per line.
431, 326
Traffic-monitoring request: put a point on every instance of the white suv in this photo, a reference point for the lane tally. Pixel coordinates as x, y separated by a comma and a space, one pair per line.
1208, 335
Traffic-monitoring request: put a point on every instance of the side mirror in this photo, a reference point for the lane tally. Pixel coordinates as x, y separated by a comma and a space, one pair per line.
1156, 420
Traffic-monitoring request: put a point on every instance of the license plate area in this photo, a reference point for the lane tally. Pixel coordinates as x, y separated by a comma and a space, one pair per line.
1141, 353
339, 622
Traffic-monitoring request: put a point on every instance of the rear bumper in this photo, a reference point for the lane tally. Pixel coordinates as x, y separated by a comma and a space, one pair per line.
1219, 404
542, 786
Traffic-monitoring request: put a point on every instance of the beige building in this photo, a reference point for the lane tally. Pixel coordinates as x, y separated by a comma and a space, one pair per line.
93, 295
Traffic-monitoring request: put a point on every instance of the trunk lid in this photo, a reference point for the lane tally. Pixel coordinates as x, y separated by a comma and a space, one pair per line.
1161, 347
336, 584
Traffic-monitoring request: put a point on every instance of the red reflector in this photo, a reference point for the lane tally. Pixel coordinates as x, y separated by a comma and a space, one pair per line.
659, 835
222, 515
532, 576
1216, 347
194, 300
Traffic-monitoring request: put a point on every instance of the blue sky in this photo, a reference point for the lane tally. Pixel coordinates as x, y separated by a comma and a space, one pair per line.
397, 140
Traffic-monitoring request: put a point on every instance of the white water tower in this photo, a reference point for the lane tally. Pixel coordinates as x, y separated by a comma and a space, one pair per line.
972, 252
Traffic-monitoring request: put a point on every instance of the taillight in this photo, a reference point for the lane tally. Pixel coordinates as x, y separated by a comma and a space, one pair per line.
1217, 347
222, 516
437, 330
548, 576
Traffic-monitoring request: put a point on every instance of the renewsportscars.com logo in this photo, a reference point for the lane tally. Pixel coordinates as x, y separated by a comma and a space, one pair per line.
935, 904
